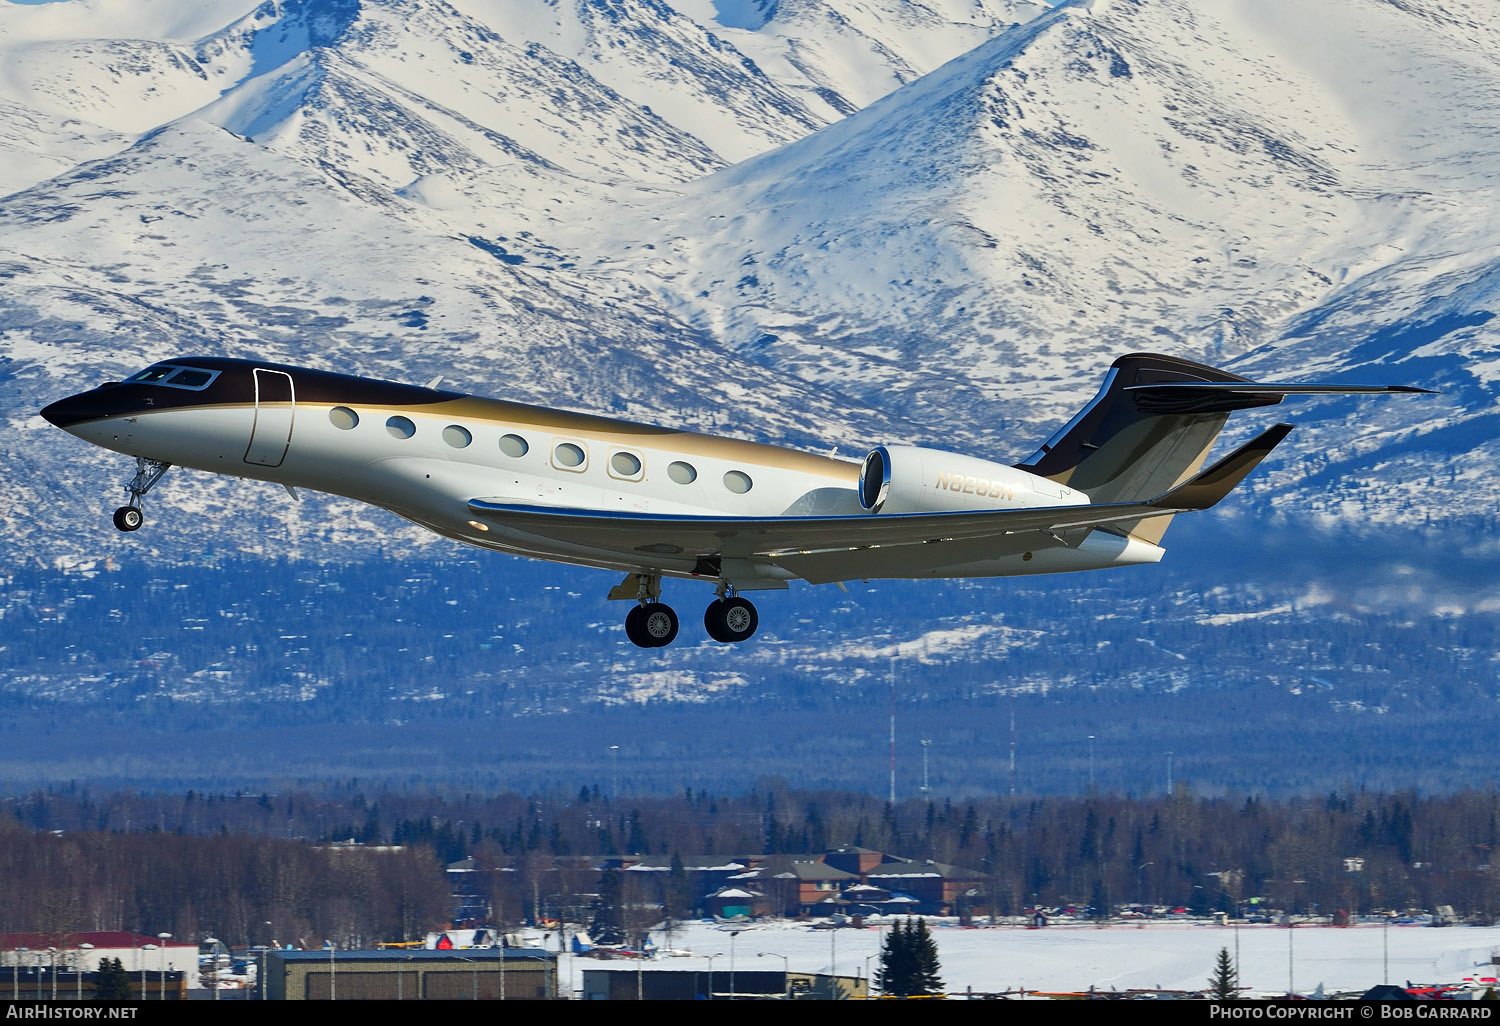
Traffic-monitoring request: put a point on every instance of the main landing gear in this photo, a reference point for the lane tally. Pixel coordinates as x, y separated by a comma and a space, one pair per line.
147, 472
653, 623
730, 619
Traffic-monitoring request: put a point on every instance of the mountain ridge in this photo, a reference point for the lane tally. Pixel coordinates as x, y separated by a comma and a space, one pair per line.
1106, 177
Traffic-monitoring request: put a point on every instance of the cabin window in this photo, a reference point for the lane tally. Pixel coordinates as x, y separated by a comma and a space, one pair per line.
738, 481
514, 446
625, 464
456, 436
568, 455
682, 473
400, 427
343, 418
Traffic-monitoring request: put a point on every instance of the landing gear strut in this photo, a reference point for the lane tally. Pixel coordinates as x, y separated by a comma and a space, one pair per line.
147, 472
652, 623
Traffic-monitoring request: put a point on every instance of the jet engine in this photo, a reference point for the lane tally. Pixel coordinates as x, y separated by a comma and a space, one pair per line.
906, 479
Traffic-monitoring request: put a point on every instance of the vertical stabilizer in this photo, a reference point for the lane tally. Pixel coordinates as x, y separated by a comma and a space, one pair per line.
1122, 447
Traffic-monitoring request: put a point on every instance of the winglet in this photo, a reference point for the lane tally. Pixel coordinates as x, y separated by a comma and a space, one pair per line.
1208, 487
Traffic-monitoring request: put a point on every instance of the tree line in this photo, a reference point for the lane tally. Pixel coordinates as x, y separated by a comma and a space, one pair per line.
240, 888
253, 868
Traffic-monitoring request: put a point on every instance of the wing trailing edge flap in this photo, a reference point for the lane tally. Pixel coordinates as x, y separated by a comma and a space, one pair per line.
647, 535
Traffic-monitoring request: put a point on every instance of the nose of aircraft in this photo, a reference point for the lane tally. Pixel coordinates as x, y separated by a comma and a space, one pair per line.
94, 404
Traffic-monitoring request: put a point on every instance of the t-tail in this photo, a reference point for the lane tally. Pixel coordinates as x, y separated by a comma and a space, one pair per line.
1151, 427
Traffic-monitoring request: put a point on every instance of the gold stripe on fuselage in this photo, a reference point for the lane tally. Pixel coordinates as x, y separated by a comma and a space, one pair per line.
498, 413
470, 410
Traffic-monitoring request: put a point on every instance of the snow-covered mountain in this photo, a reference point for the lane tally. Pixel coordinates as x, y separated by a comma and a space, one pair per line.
835, 221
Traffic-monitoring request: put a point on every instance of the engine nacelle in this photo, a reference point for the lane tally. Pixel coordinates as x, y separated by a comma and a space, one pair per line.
906, 479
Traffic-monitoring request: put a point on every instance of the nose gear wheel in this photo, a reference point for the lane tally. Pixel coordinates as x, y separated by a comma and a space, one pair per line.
147, 472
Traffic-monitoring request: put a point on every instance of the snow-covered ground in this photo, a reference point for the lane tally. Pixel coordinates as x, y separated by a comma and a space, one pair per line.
1167, 956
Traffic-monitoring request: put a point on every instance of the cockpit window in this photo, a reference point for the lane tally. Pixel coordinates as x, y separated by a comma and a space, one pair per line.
190, 378
174, 376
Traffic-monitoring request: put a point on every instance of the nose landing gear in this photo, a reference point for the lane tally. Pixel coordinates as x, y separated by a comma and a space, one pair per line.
147, 472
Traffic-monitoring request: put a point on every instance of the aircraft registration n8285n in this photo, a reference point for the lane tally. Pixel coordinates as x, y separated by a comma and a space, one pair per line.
656, 503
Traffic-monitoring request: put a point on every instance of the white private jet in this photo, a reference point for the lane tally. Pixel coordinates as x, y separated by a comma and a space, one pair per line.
652, 502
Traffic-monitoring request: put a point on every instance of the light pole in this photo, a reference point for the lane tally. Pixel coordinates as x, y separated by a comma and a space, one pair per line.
213, 954
145, 948
260, 973
786, 973
716, 954
1091, 764
1290, 991
833, 959
1234, 911
15, 975
163, 937
614, 772
270, 937
78, 969
1385, 947
893, 730
1291, 906
926, 744
52, 969
333, 993
732, 935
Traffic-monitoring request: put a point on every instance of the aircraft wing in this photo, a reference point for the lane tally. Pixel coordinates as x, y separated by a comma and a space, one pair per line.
713, 537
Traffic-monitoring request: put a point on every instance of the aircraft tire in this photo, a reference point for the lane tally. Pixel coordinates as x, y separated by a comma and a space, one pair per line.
659, 624
731, 620
713, 621
128, 518
635, 629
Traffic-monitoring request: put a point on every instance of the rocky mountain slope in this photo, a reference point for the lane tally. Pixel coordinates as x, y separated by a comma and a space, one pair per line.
606, 204
816, 222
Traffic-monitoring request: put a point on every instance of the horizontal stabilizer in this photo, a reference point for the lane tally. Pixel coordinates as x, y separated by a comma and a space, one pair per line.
1210, 486
1179, 397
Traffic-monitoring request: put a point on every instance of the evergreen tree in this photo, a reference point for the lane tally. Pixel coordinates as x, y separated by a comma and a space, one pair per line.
608, 923
925, 949
1224, 984
908, 962
113, 982
677, 896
